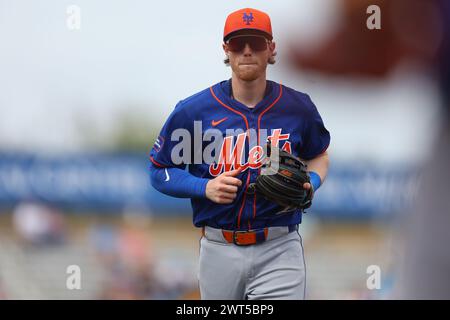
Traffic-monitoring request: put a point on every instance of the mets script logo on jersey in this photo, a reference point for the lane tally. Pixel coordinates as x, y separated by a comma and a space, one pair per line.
230, 156
247, 18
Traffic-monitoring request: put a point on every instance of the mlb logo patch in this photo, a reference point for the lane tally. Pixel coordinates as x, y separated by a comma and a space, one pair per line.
158, 143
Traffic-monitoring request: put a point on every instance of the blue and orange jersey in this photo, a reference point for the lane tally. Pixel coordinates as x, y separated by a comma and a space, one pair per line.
285, 117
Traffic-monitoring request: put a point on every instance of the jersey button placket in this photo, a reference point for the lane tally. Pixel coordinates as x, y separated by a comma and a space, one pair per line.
251, 189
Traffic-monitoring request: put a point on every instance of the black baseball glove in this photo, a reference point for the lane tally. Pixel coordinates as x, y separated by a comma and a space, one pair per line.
282, 178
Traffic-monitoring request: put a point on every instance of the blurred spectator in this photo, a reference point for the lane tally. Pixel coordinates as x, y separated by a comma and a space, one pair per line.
126, 254
136, 255
37, 224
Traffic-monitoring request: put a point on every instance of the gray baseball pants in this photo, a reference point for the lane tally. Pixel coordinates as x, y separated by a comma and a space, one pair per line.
274, 269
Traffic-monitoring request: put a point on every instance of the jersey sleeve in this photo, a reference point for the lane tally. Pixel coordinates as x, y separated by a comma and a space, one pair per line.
161, 152
316, 137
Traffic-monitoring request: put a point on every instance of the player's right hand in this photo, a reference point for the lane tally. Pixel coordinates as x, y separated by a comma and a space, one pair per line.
223, 188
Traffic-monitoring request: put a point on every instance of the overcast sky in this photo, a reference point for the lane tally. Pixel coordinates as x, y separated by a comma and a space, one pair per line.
153, 54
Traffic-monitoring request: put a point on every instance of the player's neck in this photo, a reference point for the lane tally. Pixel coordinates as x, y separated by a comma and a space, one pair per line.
248, 92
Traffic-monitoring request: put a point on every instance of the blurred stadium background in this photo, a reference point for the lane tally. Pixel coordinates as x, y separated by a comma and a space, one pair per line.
80, 109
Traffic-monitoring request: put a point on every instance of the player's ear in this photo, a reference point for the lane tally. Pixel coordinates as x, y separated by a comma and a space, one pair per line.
272, 46
272, 52
225, 48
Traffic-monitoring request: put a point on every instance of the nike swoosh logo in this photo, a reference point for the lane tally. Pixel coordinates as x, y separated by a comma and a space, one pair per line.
215, 123
167, 175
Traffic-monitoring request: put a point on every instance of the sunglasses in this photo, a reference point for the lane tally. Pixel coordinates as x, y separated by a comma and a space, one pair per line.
256, 43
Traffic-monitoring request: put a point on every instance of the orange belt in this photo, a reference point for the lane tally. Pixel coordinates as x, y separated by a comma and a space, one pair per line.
244, 238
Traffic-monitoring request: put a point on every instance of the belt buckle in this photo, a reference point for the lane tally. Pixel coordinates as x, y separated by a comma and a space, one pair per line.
237, 232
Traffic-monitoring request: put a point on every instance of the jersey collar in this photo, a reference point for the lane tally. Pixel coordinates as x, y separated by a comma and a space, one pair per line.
224, 93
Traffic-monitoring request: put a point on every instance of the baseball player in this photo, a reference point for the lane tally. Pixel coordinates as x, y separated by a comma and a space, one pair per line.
248, 250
